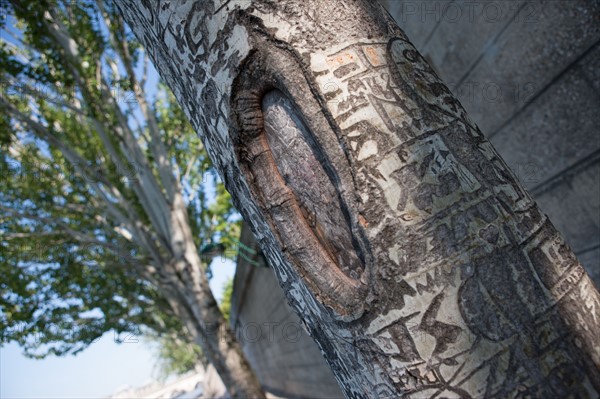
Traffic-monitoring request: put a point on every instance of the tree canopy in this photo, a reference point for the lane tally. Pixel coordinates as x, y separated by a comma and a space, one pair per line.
94, 150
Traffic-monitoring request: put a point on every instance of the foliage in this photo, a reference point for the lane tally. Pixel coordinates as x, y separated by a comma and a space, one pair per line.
225, 304
175, 352
91, 164
176, 355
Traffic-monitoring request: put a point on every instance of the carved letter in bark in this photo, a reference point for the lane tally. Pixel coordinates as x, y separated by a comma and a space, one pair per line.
417, 261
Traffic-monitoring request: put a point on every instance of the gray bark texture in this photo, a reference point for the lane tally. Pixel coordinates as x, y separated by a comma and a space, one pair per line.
416, 260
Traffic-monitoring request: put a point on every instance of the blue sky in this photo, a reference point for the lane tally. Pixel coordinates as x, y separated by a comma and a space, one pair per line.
96, 372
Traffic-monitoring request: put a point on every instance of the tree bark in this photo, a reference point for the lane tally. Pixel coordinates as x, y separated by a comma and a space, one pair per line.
191, 298
417, 261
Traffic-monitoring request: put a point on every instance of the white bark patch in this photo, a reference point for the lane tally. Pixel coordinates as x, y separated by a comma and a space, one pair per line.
367, 150
390, 186
397, 254
383, 321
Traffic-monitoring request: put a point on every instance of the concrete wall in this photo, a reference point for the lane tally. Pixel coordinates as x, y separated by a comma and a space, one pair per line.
528, 73
285, 358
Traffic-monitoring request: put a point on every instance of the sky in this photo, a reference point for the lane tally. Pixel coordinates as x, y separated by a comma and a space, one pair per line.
101, 369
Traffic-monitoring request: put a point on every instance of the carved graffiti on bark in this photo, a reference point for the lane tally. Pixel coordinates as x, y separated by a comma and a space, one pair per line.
432, 218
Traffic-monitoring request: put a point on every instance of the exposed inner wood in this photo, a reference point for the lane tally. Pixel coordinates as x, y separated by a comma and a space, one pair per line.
303, 204
293, 151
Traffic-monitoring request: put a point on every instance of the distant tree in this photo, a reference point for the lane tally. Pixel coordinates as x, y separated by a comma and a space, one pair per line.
225, 304
107, 199
176, 353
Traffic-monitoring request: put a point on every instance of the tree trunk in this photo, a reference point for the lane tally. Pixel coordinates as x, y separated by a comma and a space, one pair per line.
192, 300
201, 316
418, 263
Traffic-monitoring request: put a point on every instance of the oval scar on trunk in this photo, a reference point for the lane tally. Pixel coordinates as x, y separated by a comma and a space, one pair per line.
304, 205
